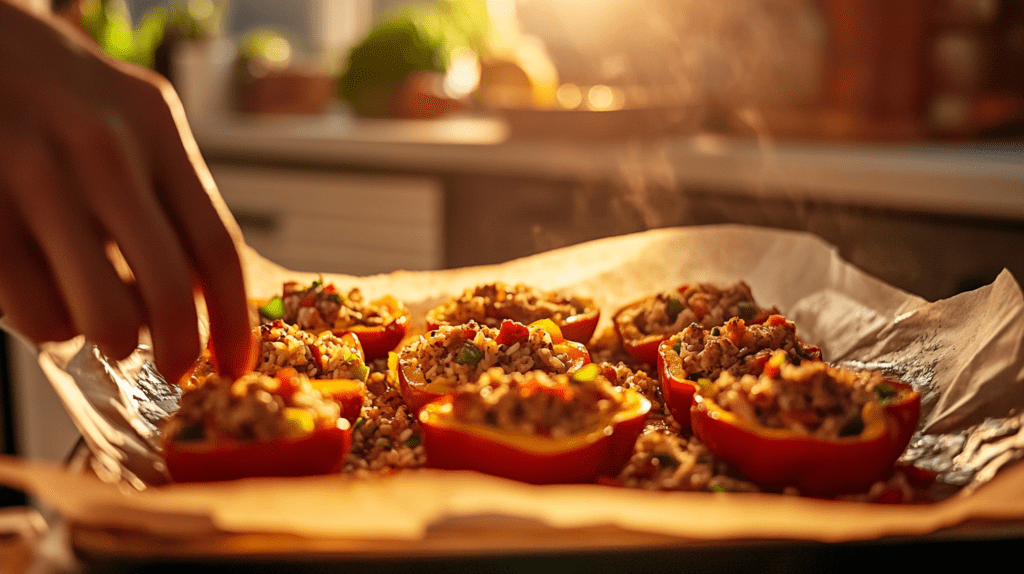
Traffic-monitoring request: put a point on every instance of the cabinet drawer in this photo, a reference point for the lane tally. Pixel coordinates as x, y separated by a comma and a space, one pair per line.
334, 222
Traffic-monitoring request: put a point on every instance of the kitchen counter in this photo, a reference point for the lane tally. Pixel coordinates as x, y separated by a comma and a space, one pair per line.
979, 180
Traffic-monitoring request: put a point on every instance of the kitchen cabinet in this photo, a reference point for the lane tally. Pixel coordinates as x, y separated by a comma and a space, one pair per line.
334, 222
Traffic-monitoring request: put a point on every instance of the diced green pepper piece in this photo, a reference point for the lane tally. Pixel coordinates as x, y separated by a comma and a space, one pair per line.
274, 309
747, 310
413, 441
673, 307
885, 392
469, 355
359, 422
678, 347
716, 332
334, 298
362, 371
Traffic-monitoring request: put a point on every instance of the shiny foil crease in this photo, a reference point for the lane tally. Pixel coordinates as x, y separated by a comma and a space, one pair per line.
964, 354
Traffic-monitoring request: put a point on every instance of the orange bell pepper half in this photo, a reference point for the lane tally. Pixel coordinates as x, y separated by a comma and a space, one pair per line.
579, 458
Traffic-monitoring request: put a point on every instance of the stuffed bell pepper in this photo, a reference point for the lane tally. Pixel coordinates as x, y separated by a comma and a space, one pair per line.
643, 325
534, 427
698, 355
380, 325
333, 363
256, 425
493, 303
822, 430
448, 356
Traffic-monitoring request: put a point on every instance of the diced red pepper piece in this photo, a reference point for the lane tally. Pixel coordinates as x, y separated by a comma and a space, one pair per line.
511, 333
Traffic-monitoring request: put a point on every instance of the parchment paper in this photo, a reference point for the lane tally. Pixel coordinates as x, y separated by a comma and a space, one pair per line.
964, 354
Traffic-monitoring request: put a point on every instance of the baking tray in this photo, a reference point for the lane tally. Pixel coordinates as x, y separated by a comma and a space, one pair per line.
899, 323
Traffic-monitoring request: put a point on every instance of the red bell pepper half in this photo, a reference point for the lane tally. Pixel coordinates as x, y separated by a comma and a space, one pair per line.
642, 346
580, 458
321, 452
379, 340
417, 392
578, 328
677, 390
777, 458
678, 387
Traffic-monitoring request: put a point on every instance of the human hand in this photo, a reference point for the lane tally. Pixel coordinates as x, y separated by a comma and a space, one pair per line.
96, 158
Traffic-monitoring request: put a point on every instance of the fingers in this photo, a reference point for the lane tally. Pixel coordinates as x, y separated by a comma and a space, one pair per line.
206, 230
28, 294
113, 181
99, 304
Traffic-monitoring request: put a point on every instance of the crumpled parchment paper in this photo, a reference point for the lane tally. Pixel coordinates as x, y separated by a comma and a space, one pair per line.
965, 354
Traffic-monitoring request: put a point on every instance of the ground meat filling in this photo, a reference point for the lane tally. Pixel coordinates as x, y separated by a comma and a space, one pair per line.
452, 355
735, 348
323, 356
491, 304
536, 403
812, 399
704, 304
320, 307
666, 461
255, 407
386, 437
622, 376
